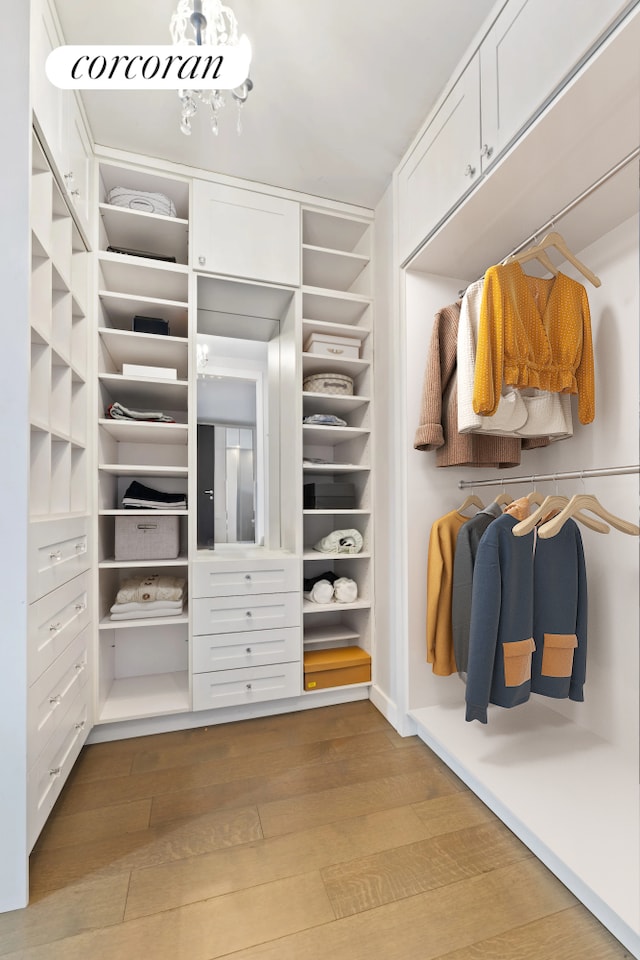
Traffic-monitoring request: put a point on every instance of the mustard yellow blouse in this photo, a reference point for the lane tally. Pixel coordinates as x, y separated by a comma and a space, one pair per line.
533, 332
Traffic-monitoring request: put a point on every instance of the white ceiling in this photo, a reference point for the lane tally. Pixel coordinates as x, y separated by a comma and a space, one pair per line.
341, 88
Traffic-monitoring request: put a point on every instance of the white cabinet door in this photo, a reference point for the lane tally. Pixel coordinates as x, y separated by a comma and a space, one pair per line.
47, 99
445, 163
242, 233
77, 175
529, 51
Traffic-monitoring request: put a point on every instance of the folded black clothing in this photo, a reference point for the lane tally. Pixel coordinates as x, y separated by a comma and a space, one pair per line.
137, 491
331, 577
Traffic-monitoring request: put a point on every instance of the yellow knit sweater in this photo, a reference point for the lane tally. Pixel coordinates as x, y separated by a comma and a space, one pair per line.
442, 547
533, 332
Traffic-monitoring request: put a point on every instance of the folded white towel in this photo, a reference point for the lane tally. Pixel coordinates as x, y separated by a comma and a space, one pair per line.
345, 590
321, 592
147, 605
146, 614
153, 587
340, 541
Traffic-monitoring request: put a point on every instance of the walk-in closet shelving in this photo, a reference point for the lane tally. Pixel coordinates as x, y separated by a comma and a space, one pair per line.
58, 384
336, 302
143, 663
59, 650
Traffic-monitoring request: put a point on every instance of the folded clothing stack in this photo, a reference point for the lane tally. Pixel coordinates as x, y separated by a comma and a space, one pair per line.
325, 420
152, 596
116, 411
142, 200
138, 496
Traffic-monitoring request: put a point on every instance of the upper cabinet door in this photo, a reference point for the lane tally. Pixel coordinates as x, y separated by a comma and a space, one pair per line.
444, 164
525, 57
47, 99
242, 233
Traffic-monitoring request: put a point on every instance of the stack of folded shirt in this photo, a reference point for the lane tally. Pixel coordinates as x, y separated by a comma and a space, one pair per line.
118, 412
137, 496
152, 596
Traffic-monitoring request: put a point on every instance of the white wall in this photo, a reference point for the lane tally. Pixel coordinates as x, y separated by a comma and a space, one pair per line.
14, 437
611, 693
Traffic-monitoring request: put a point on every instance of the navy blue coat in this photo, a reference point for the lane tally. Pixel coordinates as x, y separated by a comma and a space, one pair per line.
528, 618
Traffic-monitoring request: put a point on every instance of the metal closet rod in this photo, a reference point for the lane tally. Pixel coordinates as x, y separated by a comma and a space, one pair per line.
577, 200
540, 477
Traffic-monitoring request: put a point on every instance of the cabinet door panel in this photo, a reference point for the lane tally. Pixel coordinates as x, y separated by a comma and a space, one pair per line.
48, 100
245, 234
228, 651
229, 688
444, 164
235, 614
58, 551
531, 48
243, 578
54, 621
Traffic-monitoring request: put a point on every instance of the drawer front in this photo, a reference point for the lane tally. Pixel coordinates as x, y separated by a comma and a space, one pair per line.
222, 651
240, 614
58, 551
54, 621
51, 694
47, 776
229, 688
245, 578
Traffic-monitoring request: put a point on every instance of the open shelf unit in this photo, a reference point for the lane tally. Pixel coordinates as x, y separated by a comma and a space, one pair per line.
143, 664
337, 302
58, 648
59, 332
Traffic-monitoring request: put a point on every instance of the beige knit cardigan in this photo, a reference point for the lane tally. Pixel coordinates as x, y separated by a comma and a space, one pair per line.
438, 427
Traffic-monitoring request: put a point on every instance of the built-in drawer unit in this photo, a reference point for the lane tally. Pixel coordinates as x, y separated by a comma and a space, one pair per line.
54, 621
51, 694
58, 551
229, 651
51, 769
226, 578
228, 688
271, 611
246, 618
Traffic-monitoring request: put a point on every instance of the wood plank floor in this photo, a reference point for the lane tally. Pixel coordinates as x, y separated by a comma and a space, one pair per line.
307, 836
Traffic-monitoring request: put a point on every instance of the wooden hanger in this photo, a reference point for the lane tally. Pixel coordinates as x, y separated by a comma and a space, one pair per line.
538, 252
503, 499
471, 501
586, 501
547, 505
534, 253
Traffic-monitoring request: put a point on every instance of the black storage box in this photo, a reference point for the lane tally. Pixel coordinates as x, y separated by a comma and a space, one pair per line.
150, 325
329, 496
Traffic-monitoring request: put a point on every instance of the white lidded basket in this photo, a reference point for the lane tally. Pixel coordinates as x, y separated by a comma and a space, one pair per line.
336, 383
147, 538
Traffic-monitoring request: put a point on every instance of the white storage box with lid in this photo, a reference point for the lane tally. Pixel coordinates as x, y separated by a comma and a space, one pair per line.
147, 538
335, 383
321, 344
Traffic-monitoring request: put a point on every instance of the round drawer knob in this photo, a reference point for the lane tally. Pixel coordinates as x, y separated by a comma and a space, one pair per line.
55, 627
202, 261
248, 686
248, 614
248, 650
469, 171
247, 577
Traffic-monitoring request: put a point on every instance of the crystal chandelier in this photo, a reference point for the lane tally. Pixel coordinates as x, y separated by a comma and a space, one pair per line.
213, 24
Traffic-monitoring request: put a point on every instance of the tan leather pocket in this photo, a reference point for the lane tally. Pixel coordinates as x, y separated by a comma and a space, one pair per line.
557, 654
517, 661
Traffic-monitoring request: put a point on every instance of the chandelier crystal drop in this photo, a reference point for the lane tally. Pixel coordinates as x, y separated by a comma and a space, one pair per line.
210, 23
